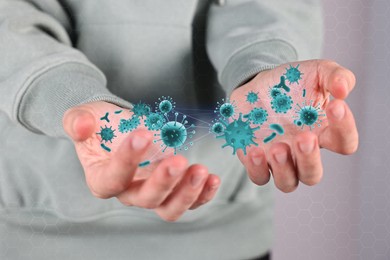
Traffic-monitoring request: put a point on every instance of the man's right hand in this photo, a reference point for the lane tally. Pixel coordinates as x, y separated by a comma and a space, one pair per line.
170, 189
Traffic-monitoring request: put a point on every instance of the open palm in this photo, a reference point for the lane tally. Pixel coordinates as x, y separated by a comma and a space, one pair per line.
292, 153
111, 159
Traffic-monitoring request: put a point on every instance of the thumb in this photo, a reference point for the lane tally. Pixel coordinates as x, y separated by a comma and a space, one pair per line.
79, 123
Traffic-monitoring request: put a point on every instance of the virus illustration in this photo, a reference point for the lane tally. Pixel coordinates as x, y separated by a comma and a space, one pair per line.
252, 97
141, 109
298, 122
107, 134
269, 138
105, 117
282, 84
108, 149
257, 115
165, 104
274, 92
174, 134
144, 164
217, 128
128, 125
278, 128
238, 134
281, 103
154, 121
293, 74
225, 109
309, 115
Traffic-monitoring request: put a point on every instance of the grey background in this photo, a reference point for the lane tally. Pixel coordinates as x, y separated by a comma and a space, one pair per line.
347, 215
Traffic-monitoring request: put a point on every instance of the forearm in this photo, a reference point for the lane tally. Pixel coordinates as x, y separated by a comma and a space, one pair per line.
247, 37
42, 75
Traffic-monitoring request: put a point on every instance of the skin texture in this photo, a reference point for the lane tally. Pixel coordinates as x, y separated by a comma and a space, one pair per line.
170, 186
295, 157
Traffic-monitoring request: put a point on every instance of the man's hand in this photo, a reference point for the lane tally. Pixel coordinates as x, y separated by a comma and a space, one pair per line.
170, 186
295, 156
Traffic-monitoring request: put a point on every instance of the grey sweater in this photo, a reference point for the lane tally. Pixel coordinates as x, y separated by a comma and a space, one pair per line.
55, 54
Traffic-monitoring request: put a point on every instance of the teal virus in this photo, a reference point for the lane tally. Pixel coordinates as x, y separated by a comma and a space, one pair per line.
144, 164
281, 103
141, 109
308, 115
278, 128
128, 125
257, 115
107, 134
269, 138
274, 92
217, 128
298, 122
105, 117
282, 84
154, 121
293, 74
304, 93
165, 104
252, 97
173, 134
108, 149
118, 111
238, 134
225, 109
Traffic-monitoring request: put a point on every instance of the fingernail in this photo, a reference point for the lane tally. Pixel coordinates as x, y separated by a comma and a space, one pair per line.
139, 143
281, 157
257, 160
306, 147
338, 111
174, 171
196, 180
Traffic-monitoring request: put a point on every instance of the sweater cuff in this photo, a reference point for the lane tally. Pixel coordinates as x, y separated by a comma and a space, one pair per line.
253, 59
43, 105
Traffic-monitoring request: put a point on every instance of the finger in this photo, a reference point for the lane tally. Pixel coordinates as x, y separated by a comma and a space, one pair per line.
79, 124
338, 80
122, 166
341, 135
185, 195
282, 166
158, 186
208, 192
256, 165
308, 158
258, 170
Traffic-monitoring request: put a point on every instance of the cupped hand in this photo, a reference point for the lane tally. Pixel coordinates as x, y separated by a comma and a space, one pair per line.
169, 186
295, 156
